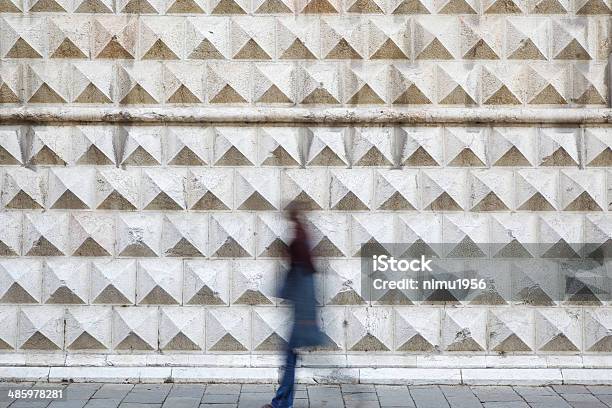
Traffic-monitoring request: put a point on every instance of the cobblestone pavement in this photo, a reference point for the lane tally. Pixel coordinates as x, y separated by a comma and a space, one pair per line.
315, 396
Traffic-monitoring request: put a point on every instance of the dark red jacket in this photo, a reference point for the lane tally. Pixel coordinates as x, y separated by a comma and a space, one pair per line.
299, 249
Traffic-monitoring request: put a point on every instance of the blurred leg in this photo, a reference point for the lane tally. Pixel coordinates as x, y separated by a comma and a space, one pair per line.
284, 395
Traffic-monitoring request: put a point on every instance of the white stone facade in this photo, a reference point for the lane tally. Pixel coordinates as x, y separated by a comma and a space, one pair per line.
131, 234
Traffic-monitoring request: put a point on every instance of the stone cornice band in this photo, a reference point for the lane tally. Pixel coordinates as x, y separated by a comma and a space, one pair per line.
329, 116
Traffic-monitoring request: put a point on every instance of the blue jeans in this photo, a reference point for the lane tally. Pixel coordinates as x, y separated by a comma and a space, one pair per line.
284, 394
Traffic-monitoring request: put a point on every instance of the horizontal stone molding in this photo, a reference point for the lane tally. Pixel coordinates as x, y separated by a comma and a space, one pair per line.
327, 116
409, 376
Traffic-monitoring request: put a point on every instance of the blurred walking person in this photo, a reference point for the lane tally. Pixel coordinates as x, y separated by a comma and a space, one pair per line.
299, 290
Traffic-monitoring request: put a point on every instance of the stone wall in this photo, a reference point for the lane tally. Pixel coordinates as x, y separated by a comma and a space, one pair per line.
147, 241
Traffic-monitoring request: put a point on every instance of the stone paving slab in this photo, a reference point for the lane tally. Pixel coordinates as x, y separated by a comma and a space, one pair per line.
312, 396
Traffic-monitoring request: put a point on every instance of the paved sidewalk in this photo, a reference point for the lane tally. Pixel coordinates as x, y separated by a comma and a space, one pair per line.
315, 396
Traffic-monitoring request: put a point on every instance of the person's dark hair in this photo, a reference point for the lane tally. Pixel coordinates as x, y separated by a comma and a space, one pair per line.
294, 210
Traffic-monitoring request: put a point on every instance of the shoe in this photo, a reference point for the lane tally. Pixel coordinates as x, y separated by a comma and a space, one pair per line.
267, 406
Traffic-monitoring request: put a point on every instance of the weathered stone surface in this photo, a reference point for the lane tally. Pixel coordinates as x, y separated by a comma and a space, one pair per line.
150, 148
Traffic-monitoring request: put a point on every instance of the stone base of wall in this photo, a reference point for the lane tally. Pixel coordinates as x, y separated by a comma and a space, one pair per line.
313, 368
408, 376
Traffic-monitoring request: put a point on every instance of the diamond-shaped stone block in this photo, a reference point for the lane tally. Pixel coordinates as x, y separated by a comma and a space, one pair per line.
275, 83
142, 146
306, 188
227, 85
65, 281
511, 331
254, 282
367, 85
597, 324
206, 282
412, 85
444, 190
328, 234
139, 235
24, 37
88, 328
10, 82
369, 329
457, 84
135, 328
589, 84
342, 38
114, 38
513, 147
232, 235
464, 330
21, 281
185, 236
48, 83
93, 145
206, 38
298, 39
93, 6
68, 37
280, 146
140, 7
159, 282
209, 189
235, 146
396, 190
113, 282
71, 188
417, 330
92, 234
162, 189
45, 234
51, 146
161, 38
273, 235
419, 232
188, 146
371, 229
331, 321
373, 147
181, 329
571, 40
560, 235
351, 190
139, 83
271, 329
598, 143
257, 189
513, 235
492, 190
558, 330
41, 328
252, 39
422, 146
228, 329
320, 84
343, 283
117, 189
582, 190
466, 147
183, 82
537, 190
23, 188
559, 147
